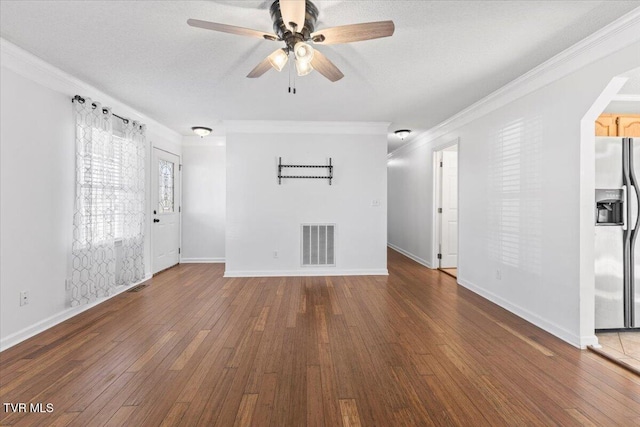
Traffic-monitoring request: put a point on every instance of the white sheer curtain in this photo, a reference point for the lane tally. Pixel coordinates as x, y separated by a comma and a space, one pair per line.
109, 203
132, 203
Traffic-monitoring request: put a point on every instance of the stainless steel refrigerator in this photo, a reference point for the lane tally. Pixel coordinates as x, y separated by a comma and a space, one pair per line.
616, 209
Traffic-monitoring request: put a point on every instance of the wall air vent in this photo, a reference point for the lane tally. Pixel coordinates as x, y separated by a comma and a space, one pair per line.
318, 244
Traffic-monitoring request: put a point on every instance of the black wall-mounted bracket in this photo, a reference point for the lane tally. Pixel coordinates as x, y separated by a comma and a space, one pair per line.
329, 167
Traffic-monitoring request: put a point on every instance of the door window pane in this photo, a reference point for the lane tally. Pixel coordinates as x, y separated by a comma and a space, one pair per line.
165, 185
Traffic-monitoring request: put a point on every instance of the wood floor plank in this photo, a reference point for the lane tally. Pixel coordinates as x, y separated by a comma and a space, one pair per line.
64, 420
175, 414
315, 412
414, 348
245, 412
266, 396
93, 413
148, 355
188, 352
349, 410
121, 416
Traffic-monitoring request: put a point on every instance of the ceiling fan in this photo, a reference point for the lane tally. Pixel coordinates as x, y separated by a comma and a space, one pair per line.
294, 24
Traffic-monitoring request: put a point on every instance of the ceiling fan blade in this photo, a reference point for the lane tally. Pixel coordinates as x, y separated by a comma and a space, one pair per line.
240, 31
354, 32
324, 66
260, 69
293, 11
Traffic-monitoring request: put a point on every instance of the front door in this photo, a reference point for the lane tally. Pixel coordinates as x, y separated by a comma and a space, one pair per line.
165, 209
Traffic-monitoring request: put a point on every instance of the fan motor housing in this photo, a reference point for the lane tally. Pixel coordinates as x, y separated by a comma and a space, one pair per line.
302, 34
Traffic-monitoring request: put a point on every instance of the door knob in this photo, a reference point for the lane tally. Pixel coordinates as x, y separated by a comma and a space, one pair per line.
156, 220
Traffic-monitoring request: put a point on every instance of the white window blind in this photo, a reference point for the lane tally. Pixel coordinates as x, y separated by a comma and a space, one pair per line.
103, 192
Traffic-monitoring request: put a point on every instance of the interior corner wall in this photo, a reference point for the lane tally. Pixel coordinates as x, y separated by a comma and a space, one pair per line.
264, 217
519, 198
37, 172
203, 199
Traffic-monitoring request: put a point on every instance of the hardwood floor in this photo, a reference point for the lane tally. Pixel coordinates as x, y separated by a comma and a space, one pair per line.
453, 272
412, 349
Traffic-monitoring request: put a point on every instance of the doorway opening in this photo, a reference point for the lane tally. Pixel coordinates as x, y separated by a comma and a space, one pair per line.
446, 209
165, 210
611, 130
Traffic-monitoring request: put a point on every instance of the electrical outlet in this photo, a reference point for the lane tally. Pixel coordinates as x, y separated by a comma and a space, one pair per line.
498, 274
24, 298
275, 254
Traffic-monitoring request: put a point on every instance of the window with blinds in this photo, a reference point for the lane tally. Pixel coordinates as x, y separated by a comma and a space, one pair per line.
102, 188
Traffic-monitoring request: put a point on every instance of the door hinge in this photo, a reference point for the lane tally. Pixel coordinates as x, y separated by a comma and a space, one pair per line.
439, 256
180, 167
439, 210
440, 164
179, 208
178, 250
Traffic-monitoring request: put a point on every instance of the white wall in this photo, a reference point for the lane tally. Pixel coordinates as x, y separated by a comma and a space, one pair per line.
263, 217
37, 183
37, 188
203, 199
520, 207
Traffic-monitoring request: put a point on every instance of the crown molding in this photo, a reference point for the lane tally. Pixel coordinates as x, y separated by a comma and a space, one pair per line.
626, 98
616, 36
33, 68
306, 127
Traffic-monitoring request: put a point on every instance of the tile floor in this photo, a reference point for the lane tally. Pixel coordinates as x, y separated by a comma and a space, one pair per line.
624, 346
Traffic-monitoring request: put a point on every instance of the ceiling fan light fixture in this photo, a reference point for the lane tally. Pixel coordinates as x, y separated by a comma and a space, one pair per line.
303, 68
402, 133
303, 52
278, 59
201, 131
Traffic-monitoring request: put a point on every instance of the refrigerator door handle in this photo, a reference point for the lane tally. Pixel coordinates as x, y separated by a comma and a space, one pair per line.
630, 289
634, 196
633, 202
625, 220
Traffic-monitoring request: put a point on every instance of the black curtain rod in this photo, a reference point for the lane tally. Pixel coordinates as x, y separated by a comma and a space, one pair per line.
94, 105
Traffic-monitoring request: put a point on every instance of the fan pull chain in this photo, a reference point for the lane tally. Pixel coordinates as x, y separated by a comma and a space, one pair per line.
294, 78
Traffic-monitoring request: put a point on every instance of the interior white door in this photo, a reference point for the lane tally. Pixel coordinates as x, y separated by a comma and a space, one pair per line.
449, 216
165, 209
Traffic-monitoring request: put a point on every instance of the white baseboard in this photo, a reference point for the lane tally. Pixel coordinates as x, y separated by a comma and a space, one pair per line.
550, 327
51, 321
201, 260
299, 273
410, 255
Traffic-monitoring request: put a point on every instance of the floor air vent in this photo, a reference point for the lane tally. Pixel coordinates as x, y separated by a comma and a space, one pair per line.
318, 244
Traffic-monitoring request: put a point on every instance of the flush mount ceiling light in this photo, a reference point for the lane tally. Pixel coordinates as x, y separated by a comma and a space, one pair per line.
402, 133
294, 24
201, 131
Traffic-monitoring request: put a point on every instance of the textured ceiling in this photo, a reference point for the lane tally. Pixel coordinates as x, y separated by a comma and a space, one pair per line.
443, 57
